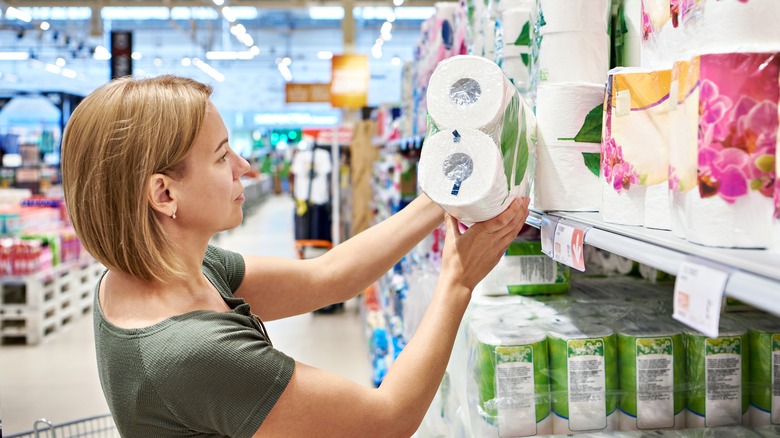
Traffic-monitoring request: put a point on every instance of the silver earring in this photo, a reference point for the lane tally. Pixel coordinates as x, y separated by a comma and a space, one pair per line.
173, 216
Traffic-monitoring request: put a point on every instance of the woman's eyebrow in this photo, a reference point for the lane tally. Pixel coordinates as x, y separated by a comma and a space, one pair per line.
220, 144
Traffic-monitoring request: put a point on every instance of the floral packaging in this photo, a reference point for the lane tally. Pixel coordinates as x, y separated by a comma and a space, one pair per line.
635, 148
733, 201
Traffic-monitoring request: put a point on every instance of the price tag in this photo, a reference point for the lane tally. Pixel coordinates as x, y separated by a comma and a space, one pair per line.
698, 296
569, 246
548, 234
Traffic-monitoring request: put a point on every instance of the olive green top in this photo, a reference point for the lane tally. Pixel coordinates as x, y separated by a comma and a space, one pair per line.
200, 374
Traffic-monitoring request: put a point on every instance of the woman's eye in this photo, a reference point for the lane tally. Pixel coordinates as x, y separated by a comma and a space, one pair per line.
224, 157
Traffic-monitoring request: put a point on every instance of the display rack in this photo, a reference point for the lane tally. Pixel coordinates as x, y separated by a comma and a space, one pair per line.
754, 274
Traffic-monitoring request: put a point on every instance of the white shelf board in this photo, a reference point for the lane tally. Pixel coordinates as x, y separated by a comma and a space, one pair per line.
755, 274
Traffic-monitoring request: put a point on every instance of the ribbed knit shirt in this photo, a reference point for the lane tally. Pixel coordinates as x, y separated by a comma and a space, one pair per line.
200, 374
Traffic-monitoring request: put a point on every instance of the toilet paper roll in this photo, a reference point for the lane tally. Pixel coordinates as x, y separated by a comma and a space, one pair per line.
718, 376
570, 114
445, 14
573, 57
738, 26
563, 182
467, 178
764, 337
651, 354
683, 141
657, 207
574, 16
468, 92
518, 72
517, 26
738, 95
626, 207
587, 356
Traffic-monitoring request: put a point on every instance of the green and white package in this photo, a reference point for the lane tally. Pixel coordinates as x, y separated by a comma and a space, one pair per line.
526, 270
718, 373
764, 334
584, 378
651, 356
509, 370
480, 142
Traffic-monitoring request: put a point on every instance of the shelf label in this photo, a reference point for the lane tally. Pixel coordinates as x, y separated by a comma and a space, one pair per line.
569, 246
548, 234
698, 296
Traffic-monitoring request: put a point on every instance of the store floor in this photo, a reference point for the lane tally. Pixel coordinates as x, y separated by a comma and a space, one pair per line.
58, 379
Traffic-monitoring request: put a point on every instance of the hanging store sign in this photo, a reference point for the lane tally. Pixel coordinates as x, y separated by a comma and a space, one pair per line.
121, 54
307, 93
350, 76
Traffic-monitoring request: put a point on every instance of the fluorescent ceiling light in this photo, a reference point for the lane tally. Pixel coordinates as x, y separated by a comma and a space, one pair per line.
295, 119
284, 68
254, 50
237, 29
219, 2
18, 14
229, 14
186, 62
247, 40
60, 62
325, 54
51, 68
14, 56
209, 70
376, 51
135, 13
396, 60
68, 73
398, 2
45, 25
224, 55
136, 56
198, 13
386, 27
326, 13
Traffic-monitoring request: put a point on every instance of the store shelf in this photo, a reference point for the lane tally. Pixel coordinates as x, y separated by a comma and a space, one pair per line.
755, 274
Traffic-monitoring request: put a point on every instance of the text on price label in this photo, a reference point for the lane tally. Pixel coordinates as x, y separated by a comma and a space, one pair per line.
698, 296
569, 246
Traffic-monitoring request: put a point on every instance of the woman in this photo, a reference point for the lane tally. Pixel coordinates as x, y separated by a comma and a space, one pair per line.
149, 178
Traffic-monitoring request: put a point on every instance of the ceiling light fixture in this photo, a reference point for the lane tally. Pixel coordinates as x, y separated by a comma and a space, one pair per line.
325, 54
227, 55
45, 25
136, 56
229, 14
186, 62
219, 2
209, 70
284, 68
101, 54
18, 14
14, 56
60, 62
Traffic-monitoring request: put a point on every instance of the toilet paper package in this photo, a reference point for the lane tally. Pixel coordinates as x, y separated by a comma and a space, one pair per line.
737, 125
517, 27
718, 376
574, 16
651, 354
509, 384
586, 355
479, 151
569, 125
683, 135
635, 148
628, 34
571, 57
764, 335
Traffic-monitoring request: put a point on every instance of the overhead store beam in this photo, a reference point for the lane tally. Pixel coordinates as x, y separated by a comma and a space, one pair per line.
348, 26
275, 4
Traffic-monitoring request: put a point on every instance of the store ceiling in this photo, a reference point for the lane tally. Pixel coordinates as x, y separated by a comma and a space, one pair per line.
279, 29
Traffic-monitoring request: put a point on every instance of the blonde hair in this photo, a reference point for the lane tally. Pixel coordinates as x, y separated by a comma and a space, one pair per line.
116, 139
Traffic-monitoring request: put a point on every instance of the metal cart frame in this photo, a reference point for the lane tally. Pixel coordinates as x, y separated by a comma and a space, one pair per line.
97, 426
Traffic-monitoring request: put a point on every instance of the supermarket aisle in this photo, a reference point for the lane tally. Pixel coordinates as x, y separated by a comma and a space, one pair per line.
58, 380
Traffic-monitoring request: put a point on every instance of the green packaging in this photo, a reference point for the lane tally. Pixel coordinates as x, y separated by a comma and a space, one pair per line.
651, 356
584, 378
526, 270
511, 371
764, 334
718, 376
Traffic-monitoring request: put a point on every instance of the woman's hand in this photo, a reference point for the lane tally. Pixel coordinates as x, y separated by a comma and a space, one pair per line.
468, 257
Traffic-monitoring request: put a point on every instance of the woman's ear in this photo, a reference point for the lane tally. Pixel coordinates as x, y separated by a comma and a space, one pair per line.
160, 195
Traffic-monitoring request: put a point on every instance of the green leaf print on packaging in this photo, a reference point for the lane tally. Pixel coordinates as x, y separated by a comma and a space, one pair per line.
520, 353
524, 39
592, 162
591, 127
526, 59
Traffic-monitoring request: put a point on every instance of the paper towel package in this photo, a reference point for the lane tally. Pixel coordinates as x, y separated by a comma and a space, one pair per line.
473, 165
737, 125
571, 57
635, 147
683, 135
574, 16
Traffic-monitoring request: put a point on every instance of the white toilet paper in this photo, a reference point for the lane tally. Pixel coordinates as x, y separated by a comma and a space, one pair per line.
566, 112
517, 26
747, 223
657, 210
466, 177
738, 26
468, 92
517, 72
573, 57
562, 109
635, 147
575, 15
628, 34
683, 141
563, 182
